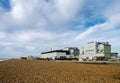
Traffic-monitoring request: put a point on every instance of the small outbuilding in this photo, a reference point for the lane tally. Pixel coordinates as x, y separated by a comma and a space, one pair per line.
30, 58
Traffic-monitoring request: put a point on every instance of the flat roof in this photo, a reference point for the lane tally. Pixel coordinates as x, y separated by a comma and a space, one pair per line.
55, 51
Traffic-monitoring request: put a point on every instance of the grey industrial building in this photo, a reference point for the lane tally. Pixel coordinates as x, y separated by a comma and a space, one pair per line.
95, 50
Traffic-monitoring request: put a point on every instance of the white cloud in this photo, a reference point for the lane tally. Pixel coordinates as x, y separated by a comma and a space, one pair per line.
40, 14
68, 8
31, 35
18, 11
8, 52
2, 35
107, 31
22, 9
37, 22
38, 25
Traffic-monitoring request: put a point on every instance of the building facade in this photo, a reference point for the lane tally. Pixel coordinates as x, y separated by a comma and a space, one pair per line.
54, 54
97, 49
66, 53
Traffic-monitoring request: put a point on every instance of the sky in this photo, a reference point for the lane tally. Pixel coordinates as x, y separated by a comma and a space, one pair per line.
29, 27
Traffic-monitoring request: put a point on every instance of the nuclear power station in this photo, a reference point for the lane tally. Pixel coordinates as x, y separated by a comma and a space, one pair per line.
92, 51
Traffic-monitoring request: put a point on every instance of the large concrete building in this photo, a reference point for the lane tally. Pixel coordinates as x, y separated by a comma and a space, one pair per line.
66, 53
93, 50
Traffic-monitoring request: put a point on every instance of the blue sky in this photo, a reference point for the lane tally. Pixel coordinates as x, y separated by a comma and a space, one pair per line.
29, 27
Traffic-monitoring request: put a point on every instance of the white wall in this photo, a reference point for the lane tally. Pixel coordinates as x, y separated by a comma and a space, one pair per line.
48, 55
60, 54
90, 49
53, 55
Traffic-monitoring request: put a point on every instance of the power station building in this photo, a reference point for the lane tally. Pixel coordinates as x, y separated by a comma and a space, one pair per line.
91, 51
62, 54
94, 50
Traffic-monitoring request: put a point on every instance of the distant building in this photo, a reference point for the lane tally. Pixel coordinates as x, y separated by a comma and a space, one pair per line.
24, 58
93, 50
30, 58
62, 54
54, 54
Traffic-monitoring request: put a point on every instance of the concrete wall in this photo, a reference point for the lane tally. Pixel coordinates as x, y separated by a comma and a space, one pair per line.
107, 49
48, 55
53, 55
96, 49
90, 49
59, 54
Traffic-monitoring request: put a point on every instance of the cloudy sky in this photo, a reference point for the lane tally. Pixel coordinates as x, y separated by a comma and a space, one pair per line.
29, 27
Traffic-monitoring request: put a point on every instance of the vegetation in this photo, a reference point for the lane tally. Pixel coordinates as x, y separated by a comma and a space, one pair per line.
40, 71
